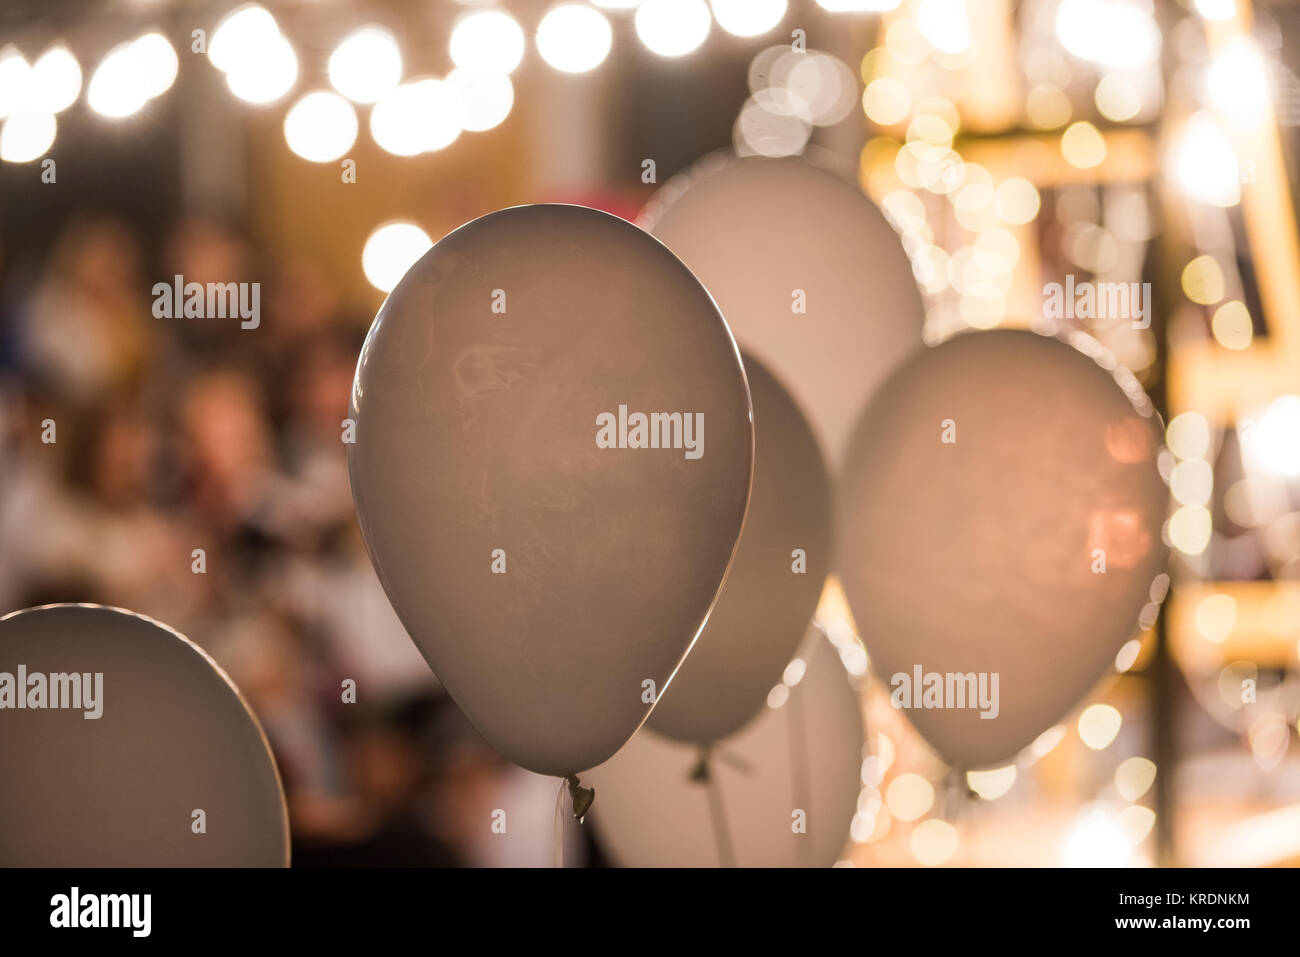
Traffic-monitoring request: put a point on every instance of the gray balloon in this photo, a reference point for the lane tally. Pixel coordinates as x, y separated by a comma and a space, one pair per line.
787, 784
774, 584
1002, 515
771, 237
135, 731
551, 567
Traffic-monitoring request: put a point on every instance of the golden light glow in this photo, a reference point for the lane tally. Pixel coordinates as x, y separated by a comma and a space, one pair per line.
1203, 281
1188, 435
1017, 200
1232, 326
886, 101
1098, 725
1082, 145
1117, 98
991, 785
909, 796
1136, 823
1190, 529
934, 842
1192, 482
1047, 107
1134, 777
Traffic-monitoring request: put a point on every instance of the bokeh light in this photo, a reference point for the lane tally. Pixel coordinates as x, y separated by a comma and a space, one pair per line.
1082, 145
1188, 435
267, 77
118, 87
56, 79
26, 136
748, 18
1237, 82
366, 65
321, 126
419, 116
909, 796
1203, 281
241, 37
1232, 326
156, 61
1216, 615
1098, 725
15, 81
945, 24
1276, 437
574, 38
992, 784
673, 28
486, 98
933, 842
1134, 777
488, 41
1096, 840
390, 251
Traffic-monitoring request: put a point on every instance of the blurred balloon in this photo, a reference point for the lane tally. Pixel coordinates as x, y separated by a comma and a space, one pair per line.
138, 738
1001, 517
810, 275
552, 582
774, 584
798, 766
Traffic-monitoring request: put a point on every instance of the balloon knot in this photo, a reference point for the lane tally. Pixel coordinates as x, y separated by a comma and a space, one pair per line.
699, 772
580, 797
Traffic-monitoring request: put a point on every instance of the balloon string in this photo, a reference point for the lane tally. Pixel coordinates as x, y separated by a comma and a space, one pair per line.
953, 803
726, 857
801, 774
559, 823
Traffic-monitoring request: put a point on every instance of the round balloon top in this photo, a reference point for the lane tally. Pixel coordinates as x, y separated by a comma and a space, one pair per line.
122, 744
553, 455
810, 275
1002, 516
775, 582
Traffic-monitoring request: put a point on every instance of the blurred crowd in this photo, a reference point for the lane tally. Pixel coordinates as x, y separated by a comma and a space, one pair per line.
194, 471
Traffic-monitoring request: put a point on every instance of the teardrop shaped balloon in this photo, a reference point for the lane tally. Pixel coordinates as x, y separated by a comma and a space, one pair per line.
1002, 515
785, 788
810, 275
774, 584
552, 462
123, 745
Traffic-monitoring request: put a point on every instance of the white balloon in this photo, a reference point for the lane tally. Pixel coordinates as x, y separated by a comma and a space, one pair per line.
1001, 513
552, 553
775, 581
771, 237
803, 756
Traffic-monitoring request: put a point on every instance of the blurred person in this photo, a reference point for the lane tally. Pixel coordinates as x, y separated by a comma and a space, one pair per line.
473, 783
311, 400
41, 535
232, 481
392, 776
338, 594
286, 687
135, 554
301, 303
207, 250
84, 330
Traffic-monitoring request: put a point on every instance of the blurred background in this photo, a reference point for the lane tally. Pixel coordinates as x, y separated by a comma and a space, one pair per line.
317, 147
